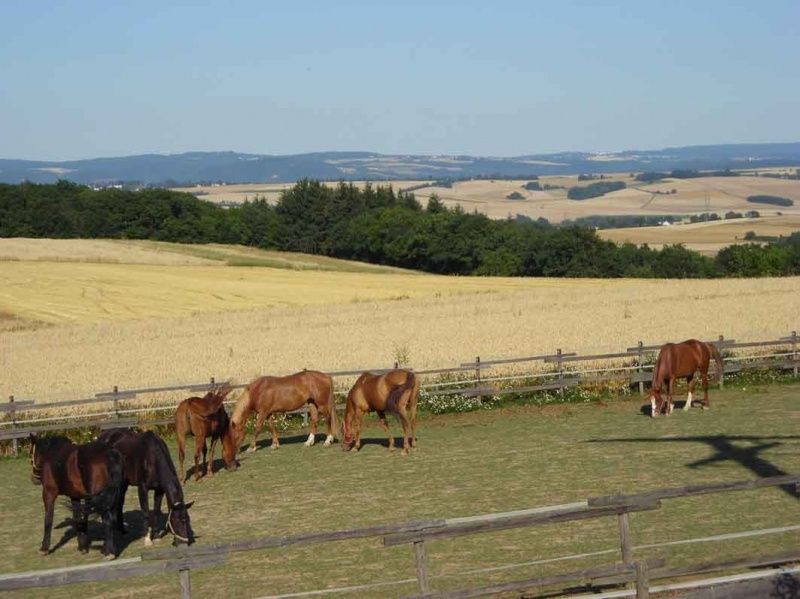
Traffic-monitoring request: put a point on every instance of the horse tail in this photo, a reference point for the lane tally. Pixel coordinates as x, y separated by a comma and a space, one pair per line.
397, 393
718, 359
108, 497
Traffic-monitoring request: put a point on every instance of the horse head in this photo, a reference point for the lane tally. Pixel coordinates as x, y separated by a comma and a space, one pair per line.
229, 447
179, 524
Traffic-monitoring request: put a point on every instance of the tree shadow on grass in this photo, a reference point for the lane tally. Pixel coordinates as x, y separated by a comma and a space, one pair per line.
743, 449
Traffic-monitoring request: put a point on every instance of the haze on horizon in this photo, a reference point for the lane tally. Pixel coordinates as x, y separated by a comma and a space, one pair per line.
90, 79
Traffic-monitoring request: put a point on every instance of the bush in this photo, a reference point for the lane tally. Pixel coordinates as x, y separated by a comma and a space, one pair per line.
515, 195
767, 199
594, 190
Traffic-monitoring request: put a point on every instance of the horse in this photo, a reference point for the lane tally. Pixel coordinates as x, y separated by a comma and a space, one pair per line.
270, 394
393, 391
205, 417
93, 472
148, 466
679, 360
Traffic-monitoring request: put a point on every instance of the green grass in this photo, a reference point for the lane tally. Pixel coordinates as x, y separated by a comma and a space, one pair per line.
467, 464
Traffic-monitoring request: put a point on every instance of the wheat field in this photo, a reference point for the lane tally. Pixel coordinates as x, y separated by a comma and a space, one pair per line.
80, 327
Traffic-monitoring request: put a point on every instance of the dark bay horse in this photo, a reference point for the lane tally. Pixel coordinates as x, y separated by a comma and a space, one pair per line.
205, 417
93, 472
148, 466
268, 395
682, 360
395, 391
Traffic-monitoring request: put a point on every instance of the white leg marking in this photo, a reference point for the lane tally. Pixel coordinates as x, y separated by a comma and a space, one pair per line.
688, 403
669, 411
329, 440
148, 542
310, 440
653, 407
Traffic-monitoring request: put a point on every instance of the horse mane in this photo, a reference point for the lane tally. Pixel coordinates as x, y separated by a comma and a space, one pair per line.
241, 410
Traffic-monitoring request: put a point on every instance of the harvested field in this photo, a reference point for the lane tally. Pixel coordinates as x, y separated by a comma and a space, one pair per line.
507, 459
707, 237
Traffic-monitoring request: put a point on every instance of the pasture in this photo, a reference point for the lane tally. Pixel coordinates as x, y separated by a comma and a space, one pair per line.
69, 329
468, 464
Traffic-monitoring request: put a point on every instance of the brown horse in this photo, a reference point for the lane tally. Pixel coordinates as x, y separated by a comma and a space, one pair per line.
268, 395
92, 472
394, 391
682, 360
205, 417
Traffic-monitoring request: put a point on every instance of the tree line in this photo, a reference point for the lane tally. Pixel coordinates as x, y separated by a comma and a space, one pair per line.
373, 224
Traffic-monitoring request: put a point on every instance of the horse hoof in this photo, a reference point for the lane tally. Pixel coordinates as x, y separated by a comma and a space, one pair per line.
148, 542
44, 551
274, 446
109, 557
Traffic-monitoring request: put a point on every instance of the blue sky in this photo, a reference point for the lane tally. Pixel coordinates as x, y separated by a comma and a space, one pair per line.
87, 79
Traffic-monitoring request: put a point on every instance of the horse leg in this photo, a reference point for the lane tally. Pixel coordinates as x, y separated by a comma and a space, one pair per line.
259, 426
155, 514
49, 500
181, 455
358, 422
704, 380
120, 506
691, 381
329, 416
671, 388
199, 445
403, 415
385, 425
313, 417
110, 523
274, 433
146, 514
81, 526
210, 468
414, 424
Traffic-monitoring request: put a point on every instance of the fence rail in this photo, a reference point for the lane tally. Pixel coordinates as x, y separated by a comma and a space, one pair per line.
416, 533
555, 374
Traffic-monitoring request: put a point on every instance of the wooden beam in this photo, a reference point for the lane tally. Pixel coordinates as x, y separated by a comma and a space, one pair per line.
691, 490
520, 521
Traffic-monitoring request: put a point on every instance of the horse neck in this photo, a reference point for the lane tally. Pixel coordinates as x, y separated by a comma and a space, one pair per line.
168, 476
243, 407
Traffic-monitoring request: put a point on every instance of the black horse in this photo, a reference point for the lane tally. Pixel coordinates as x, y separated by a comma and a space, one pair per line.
92, 472
148, 466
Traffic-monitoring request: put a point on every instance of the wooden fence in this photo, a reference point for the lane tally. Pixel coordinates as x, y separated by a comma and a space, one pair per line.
556, 372
629, 569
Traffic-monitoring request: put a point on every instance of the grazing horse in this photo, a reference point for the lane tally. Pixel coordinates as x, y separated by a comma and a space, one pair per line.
270, 394
394, 391
205, 417
93, 472
148, 466
682, 360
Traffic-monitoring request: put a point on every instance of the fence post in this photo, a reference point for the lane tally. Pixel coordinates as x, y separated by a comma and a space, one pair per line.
794, 351
721, 374
186, 584
560, 366
642, 581
422, 566
116, 403
478, 373
13, 411
625, 538
640, 371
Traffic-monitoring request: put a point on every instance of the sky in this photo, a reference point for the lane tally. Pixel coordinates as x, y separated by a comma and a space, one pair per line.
503, 78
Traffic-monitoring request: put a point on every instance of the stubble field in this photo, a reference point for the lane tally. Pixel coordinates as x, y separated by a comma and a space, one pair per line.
73, 328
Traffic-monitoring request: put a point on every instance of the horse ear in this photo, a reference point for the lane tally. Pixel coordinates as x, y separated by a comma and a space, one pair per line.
190, 504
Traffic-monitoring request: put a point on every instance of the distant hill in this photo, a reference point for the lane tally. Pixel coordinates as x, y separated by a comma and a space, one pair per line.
233, 167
